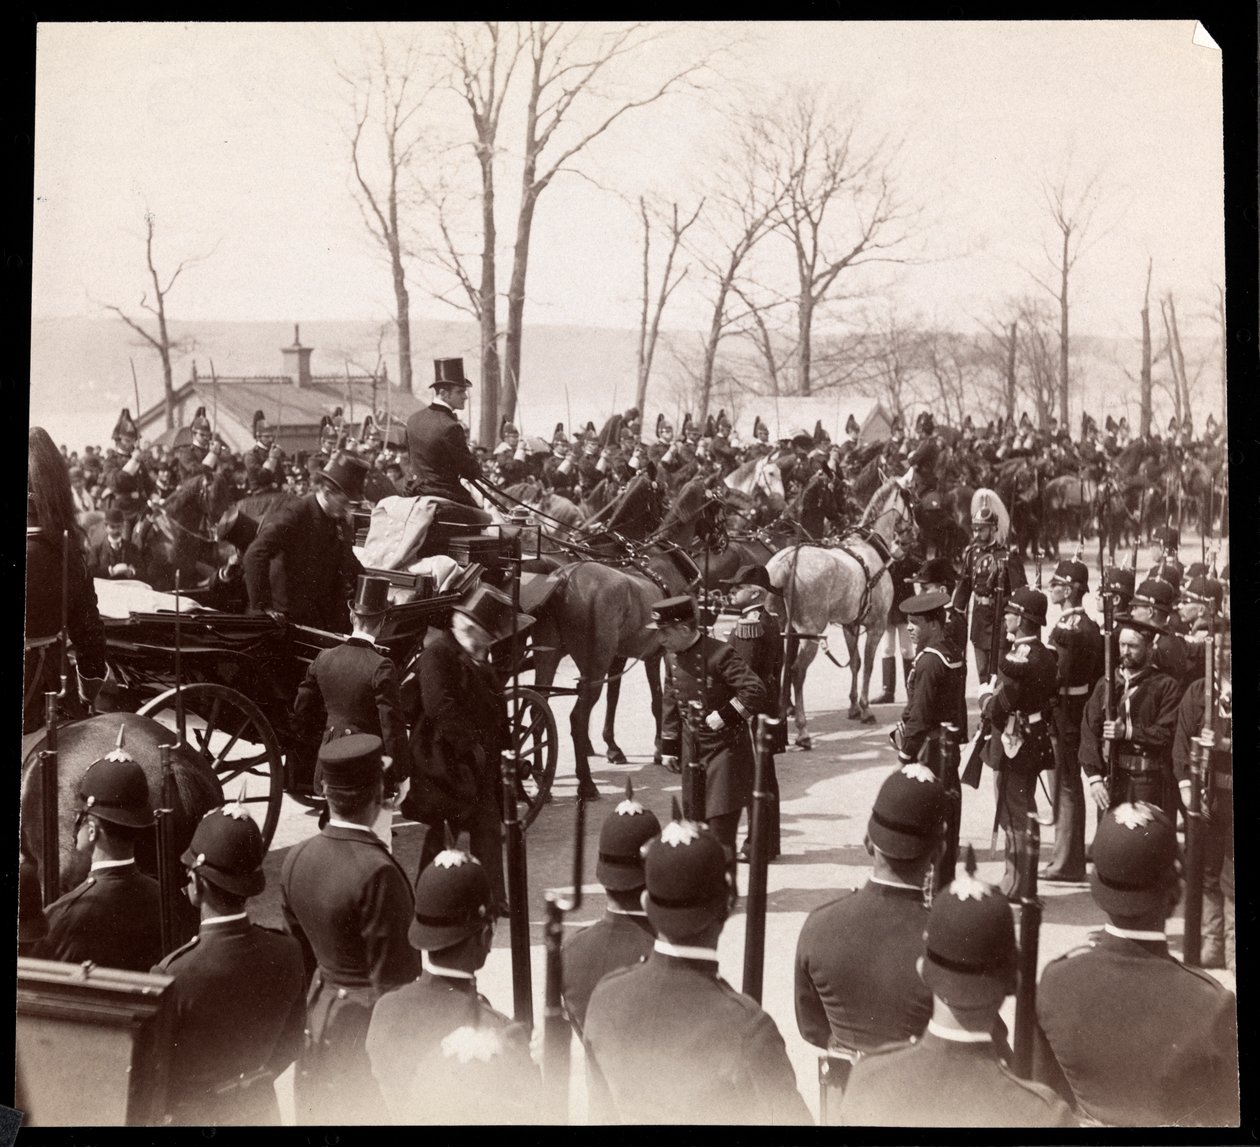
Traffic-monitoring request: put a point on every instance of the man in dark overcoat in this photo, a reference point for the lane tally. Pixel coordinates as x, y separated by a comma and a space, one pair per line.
438, 444
301, 565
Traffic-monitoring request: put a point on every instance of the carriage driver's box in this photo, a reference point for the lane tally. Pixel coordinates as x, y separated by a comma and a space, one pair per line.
90, 1045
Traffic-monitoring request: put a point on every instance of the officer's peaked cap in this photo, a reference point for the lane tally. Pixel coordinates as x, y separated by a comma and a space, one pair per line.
925, 602
352, 761
674, 611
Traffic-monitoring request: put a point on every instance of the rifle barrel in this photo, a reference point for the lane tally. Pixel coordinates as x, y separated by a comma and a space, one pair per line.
755, 933
518, 895
1029, 940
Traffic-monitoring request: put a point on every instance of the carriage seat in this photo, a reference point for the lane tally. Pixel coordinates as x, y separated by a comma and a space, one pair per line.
404, 529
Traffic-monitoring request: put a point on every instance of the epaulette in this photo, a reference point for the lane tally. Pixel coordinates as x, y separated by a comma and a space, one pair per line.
188, 947
749, 629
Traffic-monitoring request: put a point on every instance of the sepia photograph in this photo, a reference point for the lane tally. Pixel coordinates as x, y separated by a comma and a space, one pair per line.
632, 573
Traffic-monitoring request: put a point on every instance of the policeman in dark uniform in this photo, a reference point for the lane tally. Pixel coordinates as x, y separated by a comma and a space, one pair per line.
668, 1040
114, 917
757, 639
301, 564
938, 696
263, 460
1077, 641
1134, 1037
1218, 802
356, 685
349, 904
440, 1053
953, 1076
237, 1001
1018, 709
623, 936
983, 561
440, 457
713, 694
1145, 704
857, 981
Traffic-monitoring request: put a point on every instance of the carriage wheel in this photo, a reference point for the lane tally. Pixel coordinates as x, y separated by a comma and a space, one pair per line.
235, 740
537, 745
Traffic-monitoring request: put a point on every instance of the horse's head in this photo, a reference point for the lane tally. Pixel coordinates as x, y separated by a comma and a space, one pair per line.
889, 511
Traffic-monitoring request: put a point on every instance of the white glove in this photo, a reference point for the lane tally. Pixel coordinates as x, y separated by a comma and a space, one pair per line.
1113, 730
714, 721
404, 787
671, 763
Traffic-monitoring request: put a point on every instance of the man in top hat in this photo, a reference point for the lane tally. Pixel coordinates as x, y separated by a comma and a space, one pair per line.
349, 904
440, 457
1135, 1038
623, 937
354, 686
129, 484
953, 1076
238, 1002
711, 694
301, 564
938, 696
985, 560
1217, 925
1145, 701
114, 556
462, 731
1078, 643
668, 1040
440, 1053
263, 460
113, 917
758, 641
1018, 706
857, 981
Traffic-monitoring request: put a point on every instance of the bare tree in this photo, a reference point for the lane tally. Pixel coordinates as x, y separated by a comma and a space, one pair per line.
1037, 350
889, 351
956, 366
566, 67
1001, 353
386, 97
650, 325
1176, 356
1072, 211
839, 208
154, 301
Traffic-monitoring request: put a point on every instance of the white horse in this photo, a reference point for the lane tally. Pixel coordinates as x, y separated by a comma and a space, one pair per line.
845, 584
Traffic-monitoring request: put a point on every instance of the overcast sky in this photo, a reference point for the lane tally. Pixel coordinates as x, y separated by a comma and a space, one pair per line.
234, 136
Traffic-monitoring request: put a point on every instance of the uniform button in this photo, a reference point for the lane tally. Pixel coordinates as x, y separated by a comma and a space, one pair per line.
342, 993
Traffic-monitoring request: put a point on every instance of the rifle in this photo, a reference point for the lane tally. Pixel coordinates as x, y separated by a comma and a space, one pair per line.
50, 856
1197, 812
1029, 938
168, 880
214, 390
1109, 700
135, 384
950, 758
759, 826
557, 1034
518, 895
694, 779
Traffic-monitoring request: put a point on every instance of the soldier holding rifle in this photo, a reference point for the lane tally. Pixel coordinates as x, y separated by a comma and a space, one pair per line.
668, 1040
439, 1051
1135, 1038
710, 681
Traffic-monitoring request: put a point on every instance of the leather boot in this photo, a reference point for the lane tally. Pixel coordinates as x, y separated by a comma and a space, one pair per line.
890, 682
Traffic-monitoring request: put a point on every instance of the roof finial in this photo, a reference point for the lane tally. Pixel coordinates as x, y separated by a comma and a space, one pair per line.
297, 339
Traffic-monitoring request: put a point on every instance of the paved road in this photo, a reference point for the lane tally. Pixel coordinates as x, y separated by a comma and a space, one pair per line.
826, 798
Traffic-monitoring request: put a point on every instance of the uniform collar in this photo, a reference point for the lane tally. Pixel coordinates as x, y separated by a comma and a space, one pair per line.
360, 635
443, 972
623, 912
897, 884
101, 865
438, 402
1069, 610
334, 823
684, 951
956, 1035
1135, 934
234, 918
756, 607
1024, 640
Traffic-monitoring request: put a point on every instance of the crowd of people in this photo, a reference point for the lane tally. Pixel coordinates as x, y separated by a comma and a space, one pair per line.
372, 991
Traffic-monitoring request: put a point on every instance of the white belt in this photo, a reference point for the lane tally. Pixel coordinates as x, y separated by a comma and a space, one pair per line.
1033, 718
1074, 690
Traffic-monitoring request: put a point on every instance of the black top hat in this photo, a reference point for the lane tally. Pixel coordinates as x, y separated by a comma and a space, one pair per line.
347, 473
371, 596
621, 839
750, 574
970, 953
448, 372
686, 872
1071, 571
492, 610
236, 528
1028, 603
909, 813
1134, 851
453, 901
352, 761
227, 850
937, 571
925, 602
114, 516
114, 788
674, 611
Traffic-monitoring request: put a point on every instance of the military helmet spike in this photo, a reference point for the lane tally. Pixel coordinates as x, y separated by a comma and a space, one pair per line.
119, 751
969, 860
629, 789
675, 809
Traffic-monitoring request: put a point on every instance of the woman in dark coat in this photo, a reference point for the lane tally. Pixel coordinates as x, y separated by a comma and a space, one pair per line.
49, 513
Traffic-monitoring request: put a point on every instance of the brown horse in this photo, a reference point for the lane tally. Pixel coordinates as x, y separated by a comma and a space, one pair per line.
595, 610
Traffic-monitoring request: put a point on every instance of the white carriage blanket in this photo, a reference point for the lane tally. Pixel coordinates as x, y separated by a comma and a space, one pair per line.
397, 530
119, 598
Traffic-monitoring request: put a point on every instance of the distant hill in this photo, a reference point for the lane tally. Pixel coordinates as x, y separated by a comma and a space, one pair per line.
80, 374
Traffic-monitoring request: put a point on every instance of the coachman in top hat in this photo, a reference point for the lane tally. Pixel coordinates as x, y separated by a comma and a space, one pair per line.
438, 444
